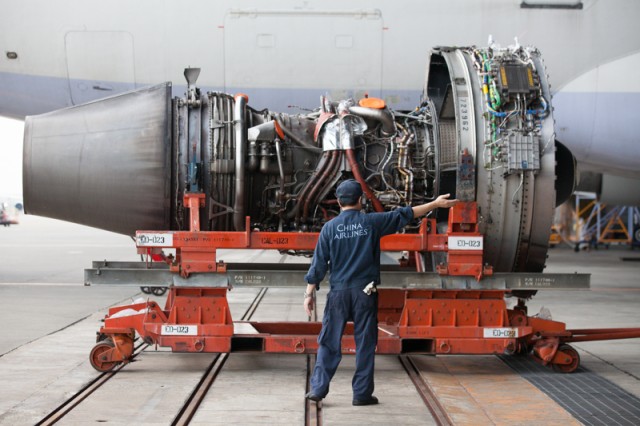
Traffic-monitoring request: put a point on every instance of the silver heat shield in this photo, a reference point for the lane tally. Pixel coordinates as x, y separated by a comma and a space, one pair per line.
104, 164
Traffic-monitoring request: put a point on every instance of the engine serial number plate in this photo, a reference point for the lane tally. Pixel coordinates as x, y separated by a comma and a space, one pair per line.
179, 330
148, 239
465, 243
500, 333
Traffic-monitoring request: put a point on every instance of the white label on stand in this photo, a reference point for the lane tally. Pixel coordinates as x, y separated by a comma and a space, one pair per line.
500, 333
149, 239
179, 330
465, 243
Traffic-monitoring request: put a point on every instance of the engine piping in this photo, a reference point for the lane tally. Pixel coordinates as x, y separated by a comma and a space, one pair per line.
329, 171
241, 147
382, 115
281, 170
403, 164
296, 139
296, 211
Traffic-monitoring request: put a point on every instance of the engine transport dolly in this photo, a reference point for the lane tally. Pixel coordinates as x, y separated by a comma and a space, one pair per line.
459, 310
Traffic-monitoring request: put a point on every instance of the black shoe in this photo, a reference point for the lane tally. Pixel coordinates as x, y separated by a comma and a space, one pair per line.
312, 396
369, 401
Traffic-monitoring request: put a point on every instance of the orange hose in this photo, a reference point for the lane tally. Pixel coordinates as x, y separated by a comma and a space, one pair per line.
355, 169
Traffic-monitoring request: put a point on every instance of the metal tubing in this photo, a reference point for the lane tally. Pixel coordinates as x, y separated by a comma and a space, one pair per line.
296, 139
403, 161
382, 115
264, 157
229, 150
253, 156
603, 336
328, 172
603, 330
241, 147
355, 169
302, 195
280, 169
591, 335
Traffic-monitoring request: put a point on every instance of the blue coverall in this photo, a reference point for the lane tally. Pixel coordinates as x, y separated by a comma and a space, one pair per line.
350, 246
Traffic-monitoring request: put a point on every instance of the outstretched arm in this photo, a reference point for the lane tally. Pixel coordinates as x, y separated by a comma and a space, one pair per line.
442, 201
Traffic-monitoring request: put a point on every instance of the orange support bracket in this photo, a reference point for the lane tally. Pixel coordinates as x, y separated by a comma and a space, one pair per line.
464, 243
196, 250
193, 201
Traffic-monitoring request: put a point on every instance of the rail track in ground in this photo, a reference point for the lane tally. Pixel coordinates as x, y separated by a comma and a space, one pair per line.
313, 411
189, 408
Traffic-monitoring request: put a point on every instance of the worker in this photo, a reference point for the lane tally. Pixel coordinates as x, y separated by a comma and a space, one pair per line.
349, 245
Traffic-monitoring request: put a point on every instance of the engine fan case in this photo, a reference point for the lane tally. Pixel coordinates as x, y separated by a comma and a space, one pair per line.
515, 209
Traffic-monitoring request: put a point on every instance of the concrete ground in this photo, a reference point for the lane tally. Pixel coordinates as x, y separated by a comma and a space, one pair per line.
49, 322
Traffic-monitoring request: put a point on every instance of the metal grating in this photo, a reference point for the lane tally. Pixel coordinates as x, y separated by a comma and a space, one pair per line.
590, 398
448, 145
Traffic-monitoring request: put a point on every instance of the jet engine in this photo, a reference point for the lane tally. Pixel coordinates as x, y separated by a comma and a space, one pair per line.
483, 131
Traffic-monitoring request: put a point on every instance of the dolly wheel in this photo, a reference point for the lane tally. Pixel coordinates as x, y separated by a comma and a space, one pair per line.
98, 357
158, 291
575, 360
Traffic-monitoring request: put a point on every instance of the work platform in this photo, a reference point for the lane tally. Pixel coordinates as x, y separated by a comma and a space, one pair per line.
50, 364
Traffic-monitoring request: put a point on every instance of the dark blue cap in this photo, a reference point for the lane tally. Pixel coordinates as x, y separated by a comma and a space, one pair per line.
349, 192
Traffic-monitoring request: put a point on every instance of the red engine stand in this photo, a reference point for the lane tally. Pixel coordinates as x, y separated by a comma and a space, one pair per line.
410, 321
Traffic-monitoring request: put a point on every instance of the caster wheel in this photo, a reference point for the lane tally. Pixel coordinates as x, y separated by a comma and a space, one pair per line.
575, 360
145, 290
98, 358
158, 291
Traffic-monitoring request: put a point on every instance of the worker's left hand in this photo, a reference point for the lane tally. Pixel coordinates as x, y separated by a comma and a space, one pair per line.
308, 305
443, 202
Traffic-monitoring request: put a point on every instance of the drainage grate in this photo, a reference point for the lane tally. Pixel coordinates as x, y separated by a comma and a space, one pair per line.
590, 398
